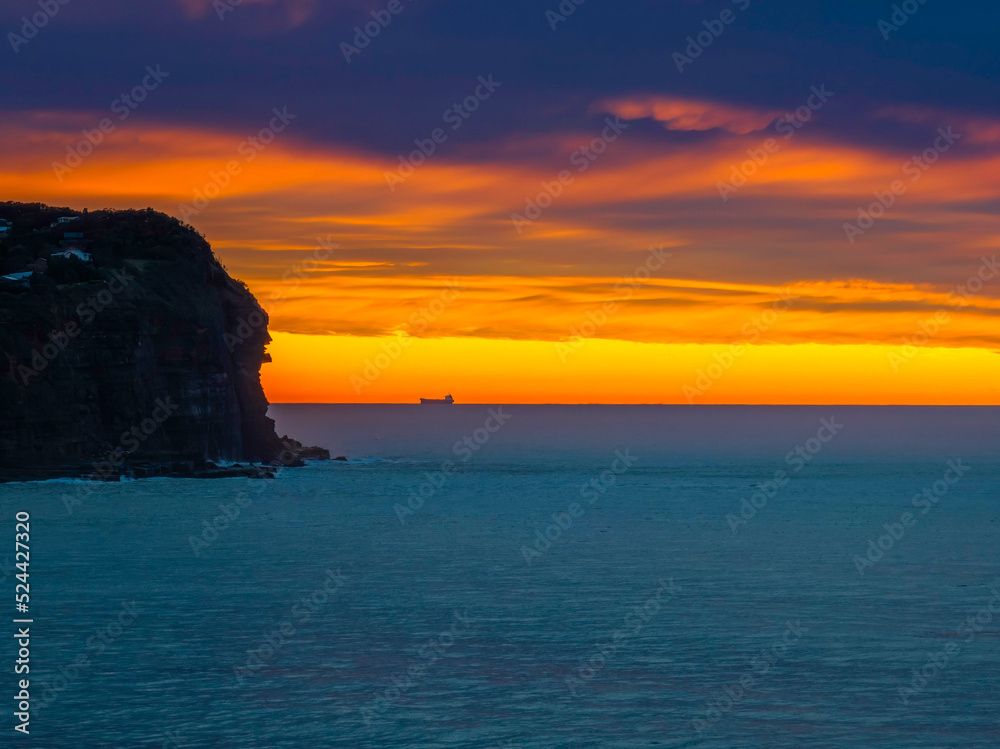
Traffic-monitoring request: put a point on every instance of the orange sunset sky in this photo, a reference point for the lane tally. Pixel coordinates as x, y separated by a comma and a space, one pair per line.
382, 292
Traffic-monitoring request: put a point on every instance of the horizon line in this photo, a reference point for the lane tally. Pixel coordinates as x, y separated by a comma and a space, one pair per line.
685, 405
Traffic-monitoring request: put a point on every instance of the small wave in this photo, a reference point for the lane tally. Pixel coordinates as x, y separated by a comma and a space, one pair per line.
64, 480
355, 461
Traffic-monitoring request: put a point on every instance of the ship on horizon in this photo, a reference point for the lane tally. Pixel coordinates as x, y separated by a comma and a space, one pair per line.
446, 401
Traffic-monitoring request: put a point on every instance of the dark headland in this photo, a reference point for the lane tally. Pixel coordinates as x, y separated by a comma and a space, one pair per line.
127, 349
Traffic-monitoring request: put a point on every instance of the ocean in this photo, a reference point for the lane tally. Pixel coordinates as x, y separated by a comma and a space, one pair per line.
501, 577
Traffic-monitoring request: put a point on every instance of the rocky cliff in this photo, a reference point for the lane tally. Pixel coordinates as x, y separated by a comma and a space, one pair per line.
124, 341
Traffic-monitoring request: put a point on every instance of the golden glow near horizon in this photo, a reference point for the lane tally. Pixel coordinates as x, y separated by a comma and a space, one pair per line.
601, 298
317, 369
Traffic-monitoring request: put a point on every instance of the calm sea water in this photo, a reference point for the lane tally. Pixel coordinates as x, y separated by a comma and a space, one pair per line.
574, 576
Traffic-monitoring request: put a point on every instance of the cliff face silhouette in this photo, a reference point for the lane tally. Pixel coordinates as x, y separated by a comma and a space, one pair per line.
128, 341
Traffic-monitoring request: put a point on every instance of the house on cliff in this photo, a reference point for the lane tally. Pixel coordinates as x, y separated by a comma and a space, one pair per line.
63, 220
16, 280
73, 251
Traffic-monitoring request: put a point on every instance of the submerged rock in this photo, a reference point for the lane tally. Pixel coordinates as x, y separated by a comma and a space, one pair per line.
300, 452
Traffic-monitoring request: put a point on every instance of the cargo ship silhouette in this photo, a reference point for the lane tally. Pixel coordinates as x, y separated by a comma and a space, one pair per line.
446, 401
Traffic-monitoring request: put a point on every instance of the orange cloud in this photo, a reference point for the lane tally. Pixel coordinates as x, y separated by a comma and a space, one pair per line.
690, 114
974, 129
397, 251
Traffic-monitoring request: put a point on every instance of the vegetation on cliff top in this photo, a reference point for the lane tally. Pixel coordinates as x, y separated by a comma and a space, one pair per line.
104, 314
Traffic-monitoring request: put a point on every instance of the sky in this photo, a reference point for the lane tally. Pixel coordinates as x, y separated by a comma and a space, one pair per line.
728, 201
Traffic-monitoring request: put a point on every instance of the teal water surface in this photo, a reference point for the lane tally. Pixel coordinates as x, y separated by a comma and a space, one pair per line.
582, 578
